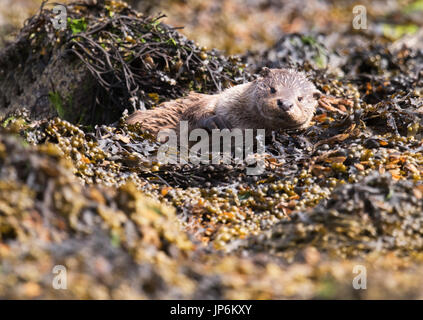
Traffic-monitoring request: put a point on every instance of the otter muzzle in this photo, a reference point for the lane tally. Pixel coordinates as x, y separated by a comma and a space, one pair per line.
284, 104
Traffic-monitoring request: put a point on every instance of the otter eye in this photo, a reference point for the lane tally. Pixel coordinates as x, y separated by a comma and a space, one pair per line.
272, 90
300, 98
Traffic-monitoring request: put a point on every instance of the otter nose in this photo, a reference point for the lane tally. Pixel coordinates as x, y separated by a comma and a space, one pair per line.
284, 105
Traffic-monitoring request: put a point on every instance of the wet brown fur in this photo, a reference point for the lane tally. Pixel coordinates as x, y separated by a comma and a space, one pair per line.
252, 105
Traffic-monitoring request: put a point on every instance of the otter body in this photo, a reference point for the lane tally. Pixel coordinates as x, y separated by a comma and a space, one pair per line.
279, 99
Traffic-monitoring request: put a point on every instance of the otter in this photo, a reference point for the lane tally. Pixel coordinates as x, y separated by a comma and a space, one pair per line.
277, 99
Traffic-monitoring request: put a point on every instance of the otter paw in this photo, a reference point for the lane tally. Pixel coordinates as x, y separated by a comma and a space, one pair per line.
214, 122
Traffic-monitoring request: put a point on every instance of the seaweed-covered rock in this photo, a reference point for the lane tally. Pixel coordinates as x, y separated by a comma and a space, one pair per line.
39, 190
108, 59
94, 198
375, 214
293, 50
38, 75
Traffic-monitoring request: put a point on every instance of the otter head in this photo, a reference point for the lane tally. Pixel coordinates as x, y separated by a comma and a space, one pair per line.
285, 98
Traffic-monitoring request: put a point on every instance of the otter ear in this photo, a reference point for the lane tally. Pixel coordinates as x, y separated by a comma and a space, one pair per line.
265, 71
317, 94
